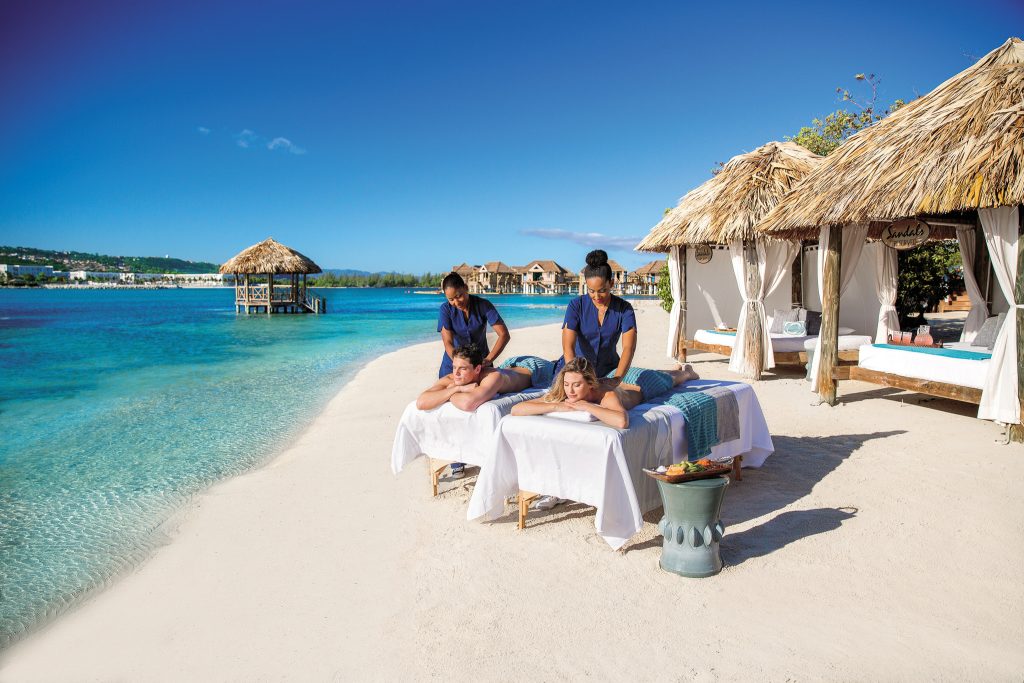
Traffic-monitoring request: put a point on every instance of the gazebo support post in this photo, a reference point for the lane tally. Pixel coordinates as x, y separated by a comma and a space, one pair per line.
681, 346
828, 341
1016, 432
754, 342
247, 293
270, 293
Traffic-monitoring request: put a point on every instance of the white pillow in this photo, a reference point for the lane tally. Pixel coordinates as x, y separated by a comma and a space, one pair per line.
573, 416
846, 330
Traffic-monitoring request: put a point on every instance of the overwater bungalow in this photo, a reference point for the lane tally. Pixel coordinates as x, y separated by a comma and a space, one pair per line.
271, 278
948, 162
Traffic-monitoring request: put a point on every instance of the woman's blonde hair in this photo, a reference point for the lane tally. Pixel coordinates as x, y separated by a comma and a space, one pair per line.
580, 366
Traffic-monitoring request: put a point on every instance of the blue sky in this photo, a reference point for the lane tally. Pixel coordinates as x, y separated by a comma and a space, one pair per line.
415, 135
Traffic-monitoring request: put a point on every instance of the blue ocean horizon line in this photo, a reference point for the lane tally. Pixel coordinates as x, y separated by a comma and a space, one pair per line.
126, 404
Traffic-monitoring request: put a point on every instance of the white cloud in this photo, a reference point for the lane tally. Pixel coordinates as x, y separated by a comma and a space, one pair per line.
285, 144
586, 239
245, 138
204, 130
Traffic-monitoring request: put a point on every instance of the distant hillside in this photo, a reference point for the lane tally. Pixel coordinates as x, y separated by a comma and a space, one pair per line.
78, 260
347, 271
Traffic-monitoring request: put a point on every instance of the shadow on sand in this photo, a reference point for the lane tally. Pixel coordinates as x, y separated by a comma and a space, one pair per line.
799, 463
780, 531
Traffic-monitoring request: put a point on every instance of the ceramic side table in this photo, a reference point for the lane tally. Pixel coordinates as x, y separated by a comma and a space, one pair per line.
691, 526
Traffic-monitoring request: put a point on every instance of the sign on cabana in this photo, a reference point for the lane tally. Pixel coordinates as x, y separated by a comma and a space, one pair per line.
906, 234
703, 252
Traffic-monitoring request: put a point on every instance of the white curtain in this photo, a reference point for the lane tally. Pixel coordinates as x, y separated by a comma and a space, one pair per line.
886, 284
676, 267
854, 236
979, 308
999, 400
773, 261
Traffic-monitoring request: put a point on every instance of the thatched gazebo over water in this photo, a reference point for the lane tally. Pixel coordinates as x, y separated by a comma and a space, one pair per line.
260, 265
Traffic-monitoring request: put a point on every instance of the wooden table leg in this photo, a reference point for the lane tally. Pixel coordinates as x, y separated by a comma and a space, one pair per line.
737, 463
525, 498
436, 467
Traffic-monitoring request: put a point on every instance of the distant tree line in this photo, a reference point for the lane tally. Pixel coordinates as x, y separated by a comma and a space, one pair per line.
80, 260
377, 280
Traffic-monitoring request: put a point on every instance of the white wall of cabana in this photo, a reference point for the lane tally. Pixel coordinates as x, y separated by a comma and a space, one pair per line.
713, 299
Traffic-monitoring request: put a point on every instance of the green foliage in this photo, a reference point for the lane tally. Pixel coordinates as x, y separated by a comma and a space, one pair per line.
823, 136
78, 260
377, 280
664, 288
927, 275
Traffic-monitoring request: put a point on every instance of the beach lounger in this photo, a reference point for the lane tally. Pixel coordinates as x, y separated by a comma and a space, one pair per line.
955, 371
595, 464
787, 349
447, 434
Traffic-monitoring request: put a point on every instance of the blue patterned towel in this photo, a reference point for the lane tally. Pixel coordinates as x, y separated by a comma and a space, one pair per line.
700, 411
949, 353
542, 371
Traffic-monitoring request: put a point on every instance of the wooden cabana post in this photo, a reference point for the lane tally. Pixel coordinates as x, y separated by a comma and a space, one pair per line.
828, 336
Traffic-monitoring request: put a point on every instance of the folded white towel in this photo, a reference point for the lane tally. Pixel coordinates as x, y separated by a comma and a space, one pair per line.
574, 416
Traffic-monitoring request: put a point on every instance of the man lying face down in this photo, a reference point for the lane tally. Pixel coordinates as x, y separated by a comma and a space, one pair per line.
470, 384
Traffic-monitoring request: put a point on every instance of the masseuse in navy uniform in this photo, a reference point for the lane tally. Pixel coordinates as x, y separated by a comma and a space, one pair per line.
463, 319
595, 322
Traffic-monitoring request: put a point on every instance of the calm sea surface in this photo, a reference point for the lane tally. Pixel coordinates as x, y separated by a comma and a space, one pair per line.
116, 406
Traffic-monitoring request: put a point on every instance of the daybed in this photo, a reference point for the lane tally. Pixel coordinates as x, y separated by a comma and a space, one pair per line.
788, 349
955, 371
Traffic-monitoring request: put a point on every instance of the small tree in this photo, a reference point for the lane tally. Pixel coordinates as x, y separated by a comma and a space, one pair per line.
927, 275
664, 288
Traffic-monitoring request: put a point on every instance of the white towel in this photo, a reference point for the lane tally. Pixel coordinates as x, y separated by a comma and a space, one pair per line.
573, 416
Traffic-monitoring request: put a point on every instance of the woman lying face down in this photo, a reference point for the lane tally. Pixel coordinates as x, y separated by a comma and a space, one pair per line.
577, 387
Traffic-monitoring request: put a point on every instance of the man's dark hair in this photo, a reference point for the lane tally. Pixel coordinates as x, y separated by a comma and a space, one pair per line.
471, 352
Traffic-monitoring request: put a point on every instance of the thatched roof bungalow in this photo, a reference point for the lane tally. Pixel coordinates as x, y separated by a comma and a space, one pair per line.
725, 210
957, 149
270, 258
951, 159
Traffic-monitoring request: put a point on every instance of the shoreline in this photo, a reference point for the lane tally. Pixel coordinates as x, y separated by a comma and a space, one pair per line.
301, 568
165, 533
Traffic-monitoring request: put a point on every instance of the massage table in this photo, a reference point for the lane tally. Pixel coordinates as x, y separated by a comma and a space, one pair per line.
598, 465
447, 434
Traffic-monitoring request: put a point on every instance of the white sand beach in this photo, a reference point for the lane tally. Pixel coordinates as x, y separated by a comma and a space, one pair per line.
884, 540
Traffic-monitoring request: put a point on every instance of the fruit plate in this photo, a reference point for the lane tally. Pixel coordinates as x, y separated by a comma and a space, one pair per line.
716, 470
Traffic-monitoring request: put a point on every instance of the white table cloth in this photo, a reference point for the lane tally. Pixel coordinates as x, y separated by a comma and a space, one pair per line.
447, 433
601, 466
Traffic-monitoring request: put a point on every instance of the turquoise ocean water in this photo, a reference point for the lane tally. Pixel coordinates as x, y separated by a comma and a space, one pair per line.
117, 406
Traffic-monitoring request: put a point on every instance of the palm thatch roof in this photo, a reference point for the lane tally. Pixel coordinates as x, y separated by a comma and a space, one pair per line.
270, 256
957, 149
728, 206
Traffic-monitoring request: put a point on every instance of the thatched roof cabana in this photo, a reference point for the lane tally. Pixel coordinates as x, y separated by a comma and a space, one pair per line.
729, 205
270, 256
957, 149
952, 158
